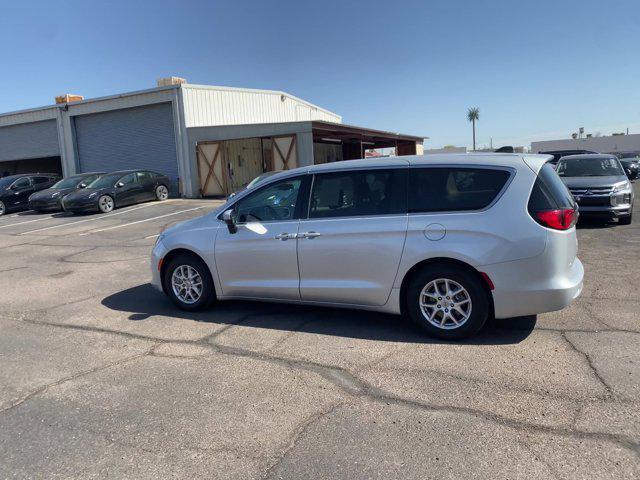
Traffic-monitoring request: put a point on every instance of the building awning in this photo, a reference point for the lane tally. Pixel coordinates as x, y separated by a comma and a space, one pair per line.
370, 138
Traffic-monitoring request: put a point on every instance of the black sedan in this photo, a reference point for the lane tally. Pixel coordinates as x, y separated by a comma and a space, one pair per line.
16, 189
50, 199
118, 189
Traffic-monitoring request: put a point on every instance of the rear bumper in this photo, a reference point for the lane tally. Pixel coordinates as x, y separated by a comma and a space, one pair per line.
519, 291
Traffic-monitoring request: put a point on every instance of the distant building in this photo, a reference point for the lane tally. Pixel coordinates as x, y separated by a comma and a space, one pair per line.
208, 140
605, 144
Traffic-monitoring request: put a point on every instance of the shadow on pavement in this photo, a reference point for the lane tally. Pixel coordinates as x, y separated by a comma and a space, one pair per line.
144, 302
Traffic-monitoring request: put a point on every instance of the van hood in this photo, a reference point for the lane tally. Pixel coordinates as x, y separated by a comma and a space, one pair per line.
600, 181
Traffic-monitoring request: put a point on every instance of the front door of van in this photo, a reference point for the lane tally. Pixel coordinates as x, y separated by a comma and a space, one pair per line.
260, 259
350, 247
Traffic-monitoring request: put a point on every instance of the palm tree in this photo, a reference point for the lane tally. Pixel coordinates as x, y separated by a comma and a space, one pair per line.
473, 114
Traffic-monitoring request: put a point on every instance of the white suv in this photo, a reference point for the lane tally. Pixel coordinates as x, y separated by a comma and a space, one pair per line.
446, 239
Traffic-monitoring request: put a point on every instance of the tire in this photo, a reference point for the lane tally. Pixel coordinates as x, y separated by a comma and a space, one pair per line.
626, 220
106, 204
181, 267
162, 192
3, 209
471, 315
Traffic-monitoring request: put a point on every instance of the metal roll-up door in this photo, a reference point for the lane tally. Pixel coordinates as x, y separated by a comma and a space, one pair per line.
139, 137
29, 140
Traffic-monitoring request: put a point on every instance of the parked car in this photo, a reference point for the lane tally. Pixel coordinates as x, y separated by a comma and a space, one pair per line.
631, 167
50, 199
16, 189
558, 154
444, 239
599, 185
255, 181
118, 189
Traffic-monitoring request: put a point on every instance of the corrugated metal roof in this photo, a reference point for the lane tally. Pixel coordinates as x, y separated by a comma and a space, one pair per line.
204, 105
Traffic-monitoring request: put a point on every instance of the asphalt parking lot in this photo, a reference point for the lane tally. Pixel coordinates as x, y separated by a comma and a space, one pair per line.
102, 377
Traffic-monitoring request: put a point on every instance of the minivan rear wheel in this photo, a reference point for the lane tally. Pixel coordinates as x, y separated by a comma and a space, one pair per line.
447, 302
187, 281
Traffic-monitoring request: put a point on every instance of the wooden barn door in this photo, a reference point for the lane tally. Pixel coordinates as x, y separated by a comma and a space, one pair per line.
285, 156
211, 169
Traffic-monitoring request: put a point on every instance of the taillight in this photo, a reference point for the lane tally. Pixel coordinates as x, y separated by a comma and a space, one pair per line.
561, 219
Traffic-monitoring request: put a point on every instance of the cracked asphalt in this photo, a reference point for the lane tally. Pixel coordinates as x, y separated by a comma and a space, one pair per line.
102, 377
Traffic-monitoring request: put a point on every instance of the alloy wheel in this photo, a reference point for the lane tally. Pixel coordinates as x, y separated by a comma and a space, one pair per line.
105, 203
445, 304
186, 283
2, 209
162, 192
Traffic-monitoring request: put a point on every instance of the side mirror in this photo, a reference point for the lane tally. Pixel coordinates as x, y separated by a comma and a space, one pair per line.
227, 217
82, 185
119, 184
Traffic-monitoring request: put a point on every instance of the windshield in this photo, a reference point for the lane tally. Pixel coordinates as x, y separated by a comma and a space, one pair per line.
70, 182
105, 181
589, 167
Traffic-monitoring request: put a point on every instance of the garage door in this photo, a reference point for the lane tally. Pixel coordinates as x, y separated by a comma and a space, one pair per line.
140, 137
29, 140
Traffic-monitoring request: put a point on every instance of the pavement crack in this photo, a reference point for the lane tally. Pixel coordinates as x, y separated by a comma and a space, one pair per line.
75, 376
299, 431
590, 363
355, 387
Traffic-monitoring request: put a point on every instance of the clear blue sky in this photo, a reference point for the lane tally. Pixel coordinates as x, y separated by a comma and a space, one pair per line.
536, 69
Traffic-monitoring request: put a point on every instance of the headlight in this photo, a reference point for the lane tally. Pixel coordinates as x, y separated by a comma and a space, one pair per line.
621, 187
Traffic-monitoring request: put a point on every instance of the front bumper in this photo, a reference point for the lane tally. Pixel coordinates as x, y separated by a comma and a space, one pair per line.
90, 205
48, 204
157, 254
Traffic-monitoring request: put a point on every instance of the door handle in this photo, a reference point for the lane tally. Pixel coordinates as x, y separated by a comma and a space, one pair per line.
309, 235
286, 236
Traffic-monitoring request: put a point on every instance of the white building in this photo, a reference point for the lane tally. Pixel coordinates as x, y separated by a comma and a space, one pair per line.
208, 140
607, 144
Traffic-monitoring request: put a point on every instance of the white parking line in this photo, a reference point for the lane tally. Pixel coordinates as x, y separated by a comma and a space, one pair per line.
152, 236
28, 221
139, 221
101, 217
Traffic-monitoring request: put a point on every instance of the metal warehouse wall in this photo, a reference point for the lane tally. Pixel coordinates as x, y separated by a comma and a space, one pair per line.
210, 106
29, 140
139, 137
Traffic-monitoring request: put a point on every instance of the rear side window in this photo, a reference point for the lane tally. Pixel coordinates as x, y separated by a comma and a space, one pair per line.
358, 193
41, 180
451, 189
549, 193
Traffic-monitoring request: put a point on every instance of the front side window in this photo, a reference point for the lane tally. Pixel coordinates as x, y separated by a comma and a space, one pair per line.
143, 176
21, 184
358, 193
454, 188
41, 180
275, 202
128, 179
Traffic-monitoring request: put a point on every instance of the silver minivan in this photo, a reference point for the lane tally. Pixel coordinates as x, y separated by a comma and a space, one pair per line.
446, 239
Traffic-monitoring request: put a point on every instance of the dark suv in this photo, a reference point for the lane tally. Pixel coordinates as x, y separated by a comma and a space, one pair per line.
16, 189
599, 185
558, 154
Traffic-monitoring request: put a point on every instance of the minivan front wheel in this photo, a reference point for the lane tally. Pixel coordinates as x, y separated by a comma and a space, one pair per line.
447, 302
187, 281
